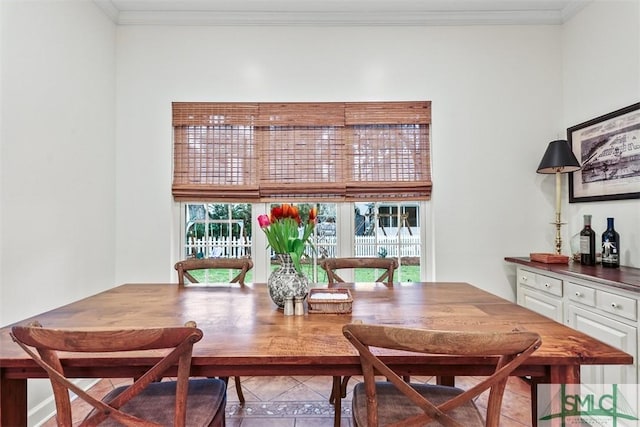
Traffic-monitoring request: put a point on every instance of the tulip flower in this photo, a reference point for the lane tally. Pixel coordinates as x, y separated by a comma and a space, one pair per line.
263, 221
282, 228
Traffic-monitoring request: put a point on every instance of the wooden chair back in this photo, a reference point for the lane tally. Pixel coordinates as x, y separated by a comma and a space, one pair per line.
185, 267
331, 265
48, 342
510, 349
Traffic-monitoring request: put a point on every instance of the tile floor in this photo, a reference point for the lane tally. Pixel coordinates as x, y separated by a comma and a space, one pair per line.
303, 401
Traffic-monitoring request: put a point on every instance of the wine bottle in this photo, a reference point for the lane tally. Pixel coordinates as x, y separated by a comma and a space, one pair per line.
610, 246
587, 243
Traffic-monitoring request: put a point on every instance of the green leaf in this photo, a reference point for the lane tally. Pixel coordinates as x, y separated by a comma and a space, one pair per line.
296, 261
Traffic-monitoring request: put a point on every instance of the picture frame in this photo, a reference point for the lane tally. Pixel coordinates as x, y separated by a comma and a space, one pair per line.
608, 149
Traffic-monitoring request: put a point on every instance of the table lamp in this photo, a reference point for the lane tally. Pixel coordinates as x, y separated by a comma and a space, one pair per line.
558, 159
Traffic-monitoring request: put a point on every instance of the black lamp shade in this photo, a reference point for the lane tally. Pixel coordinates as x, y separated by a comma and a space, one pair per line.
558, 158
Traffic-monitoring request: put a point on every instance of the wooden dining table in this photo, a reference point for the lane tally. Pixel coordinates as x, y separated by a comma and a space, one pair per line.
245, 334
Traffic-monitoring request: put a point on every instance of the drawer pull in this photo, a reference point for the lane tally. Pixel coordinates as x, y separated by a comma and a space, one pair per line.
547, 285
578, 294
614, 305
523, 278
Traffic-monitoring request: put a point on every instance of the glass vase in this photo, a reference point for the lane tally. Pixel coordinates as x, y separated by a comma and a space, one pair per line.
286, 281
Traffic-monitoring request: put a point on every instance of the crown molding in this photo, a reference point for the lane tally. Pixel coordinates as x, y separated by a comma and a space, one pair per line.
571, 9
109, 9
340, 18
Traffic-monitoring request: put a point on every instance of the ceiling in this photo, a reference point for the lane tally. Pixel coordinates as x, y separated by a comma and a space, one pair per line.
340, 12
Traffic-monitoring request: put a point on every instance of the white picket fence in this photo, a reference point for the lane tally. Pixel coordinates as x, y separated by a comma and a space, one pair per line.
218, 247
365, 246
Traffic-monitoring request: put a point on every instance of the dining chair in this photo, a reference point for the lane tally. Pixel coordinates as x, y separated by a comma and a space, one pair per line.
187, 266
146, 402
396, 401
332, 265
185, 276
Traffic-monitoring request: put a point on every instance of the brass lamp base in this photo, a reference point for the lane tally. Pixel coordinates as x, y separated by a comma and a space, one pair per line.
558, 225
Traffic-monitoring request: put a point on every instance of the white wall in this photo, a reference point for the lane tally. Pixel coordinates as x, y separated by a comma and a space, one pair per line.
58, 155
80, 213
499, 95
57, 159
601, 67
496, 94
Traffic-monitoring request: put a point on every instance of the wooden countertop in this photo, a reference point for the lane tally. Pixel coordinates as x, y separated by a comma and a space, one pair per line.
627, 278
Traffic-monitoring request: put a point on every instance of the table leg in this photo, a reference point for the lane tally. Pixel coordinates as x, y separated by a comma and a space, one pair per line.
337, 401
557, 375
446, 380
13, 402
564, 374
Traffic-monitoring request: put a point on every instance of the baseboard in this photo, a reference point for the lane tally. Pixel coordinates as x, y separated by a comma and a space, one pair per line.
46, 409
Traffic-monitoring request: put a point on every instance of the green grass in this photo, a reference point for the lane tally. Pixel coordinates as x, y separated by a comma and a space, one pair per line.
406, 273
219, 275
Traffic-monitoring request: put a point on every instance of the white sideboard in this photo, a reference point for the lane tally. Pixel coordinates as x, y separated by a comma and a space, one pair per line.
600, 302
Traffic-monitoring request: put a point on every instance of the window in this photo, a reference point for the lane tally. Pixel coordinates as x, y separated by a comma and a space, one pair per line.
217, 231
375, 229
389, 230
366, 166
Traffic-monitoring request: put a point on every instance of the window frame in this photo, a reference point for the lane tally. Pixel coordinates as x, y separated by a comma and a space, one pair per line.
345, 226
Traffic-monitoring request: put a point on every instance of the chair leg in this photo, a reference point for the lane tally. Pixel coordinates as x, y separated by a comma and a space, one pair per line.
335, 389
338, 392
238, 387
343, 386
239, 390
339, 388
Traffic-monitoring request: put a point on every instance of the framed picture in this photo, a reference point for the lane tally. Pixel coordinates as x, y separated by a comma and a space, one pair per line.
608, 148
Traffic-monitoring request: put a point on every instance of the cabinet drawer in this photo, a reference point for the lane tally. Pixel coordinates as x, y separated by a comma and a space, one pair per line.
581, 294
541, 303
526, 277
549, 284
617, 304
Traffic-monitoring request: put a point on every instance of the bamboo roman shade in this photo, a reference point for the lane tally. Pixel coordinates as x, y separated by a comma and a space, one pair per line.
301, 151
214, 151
